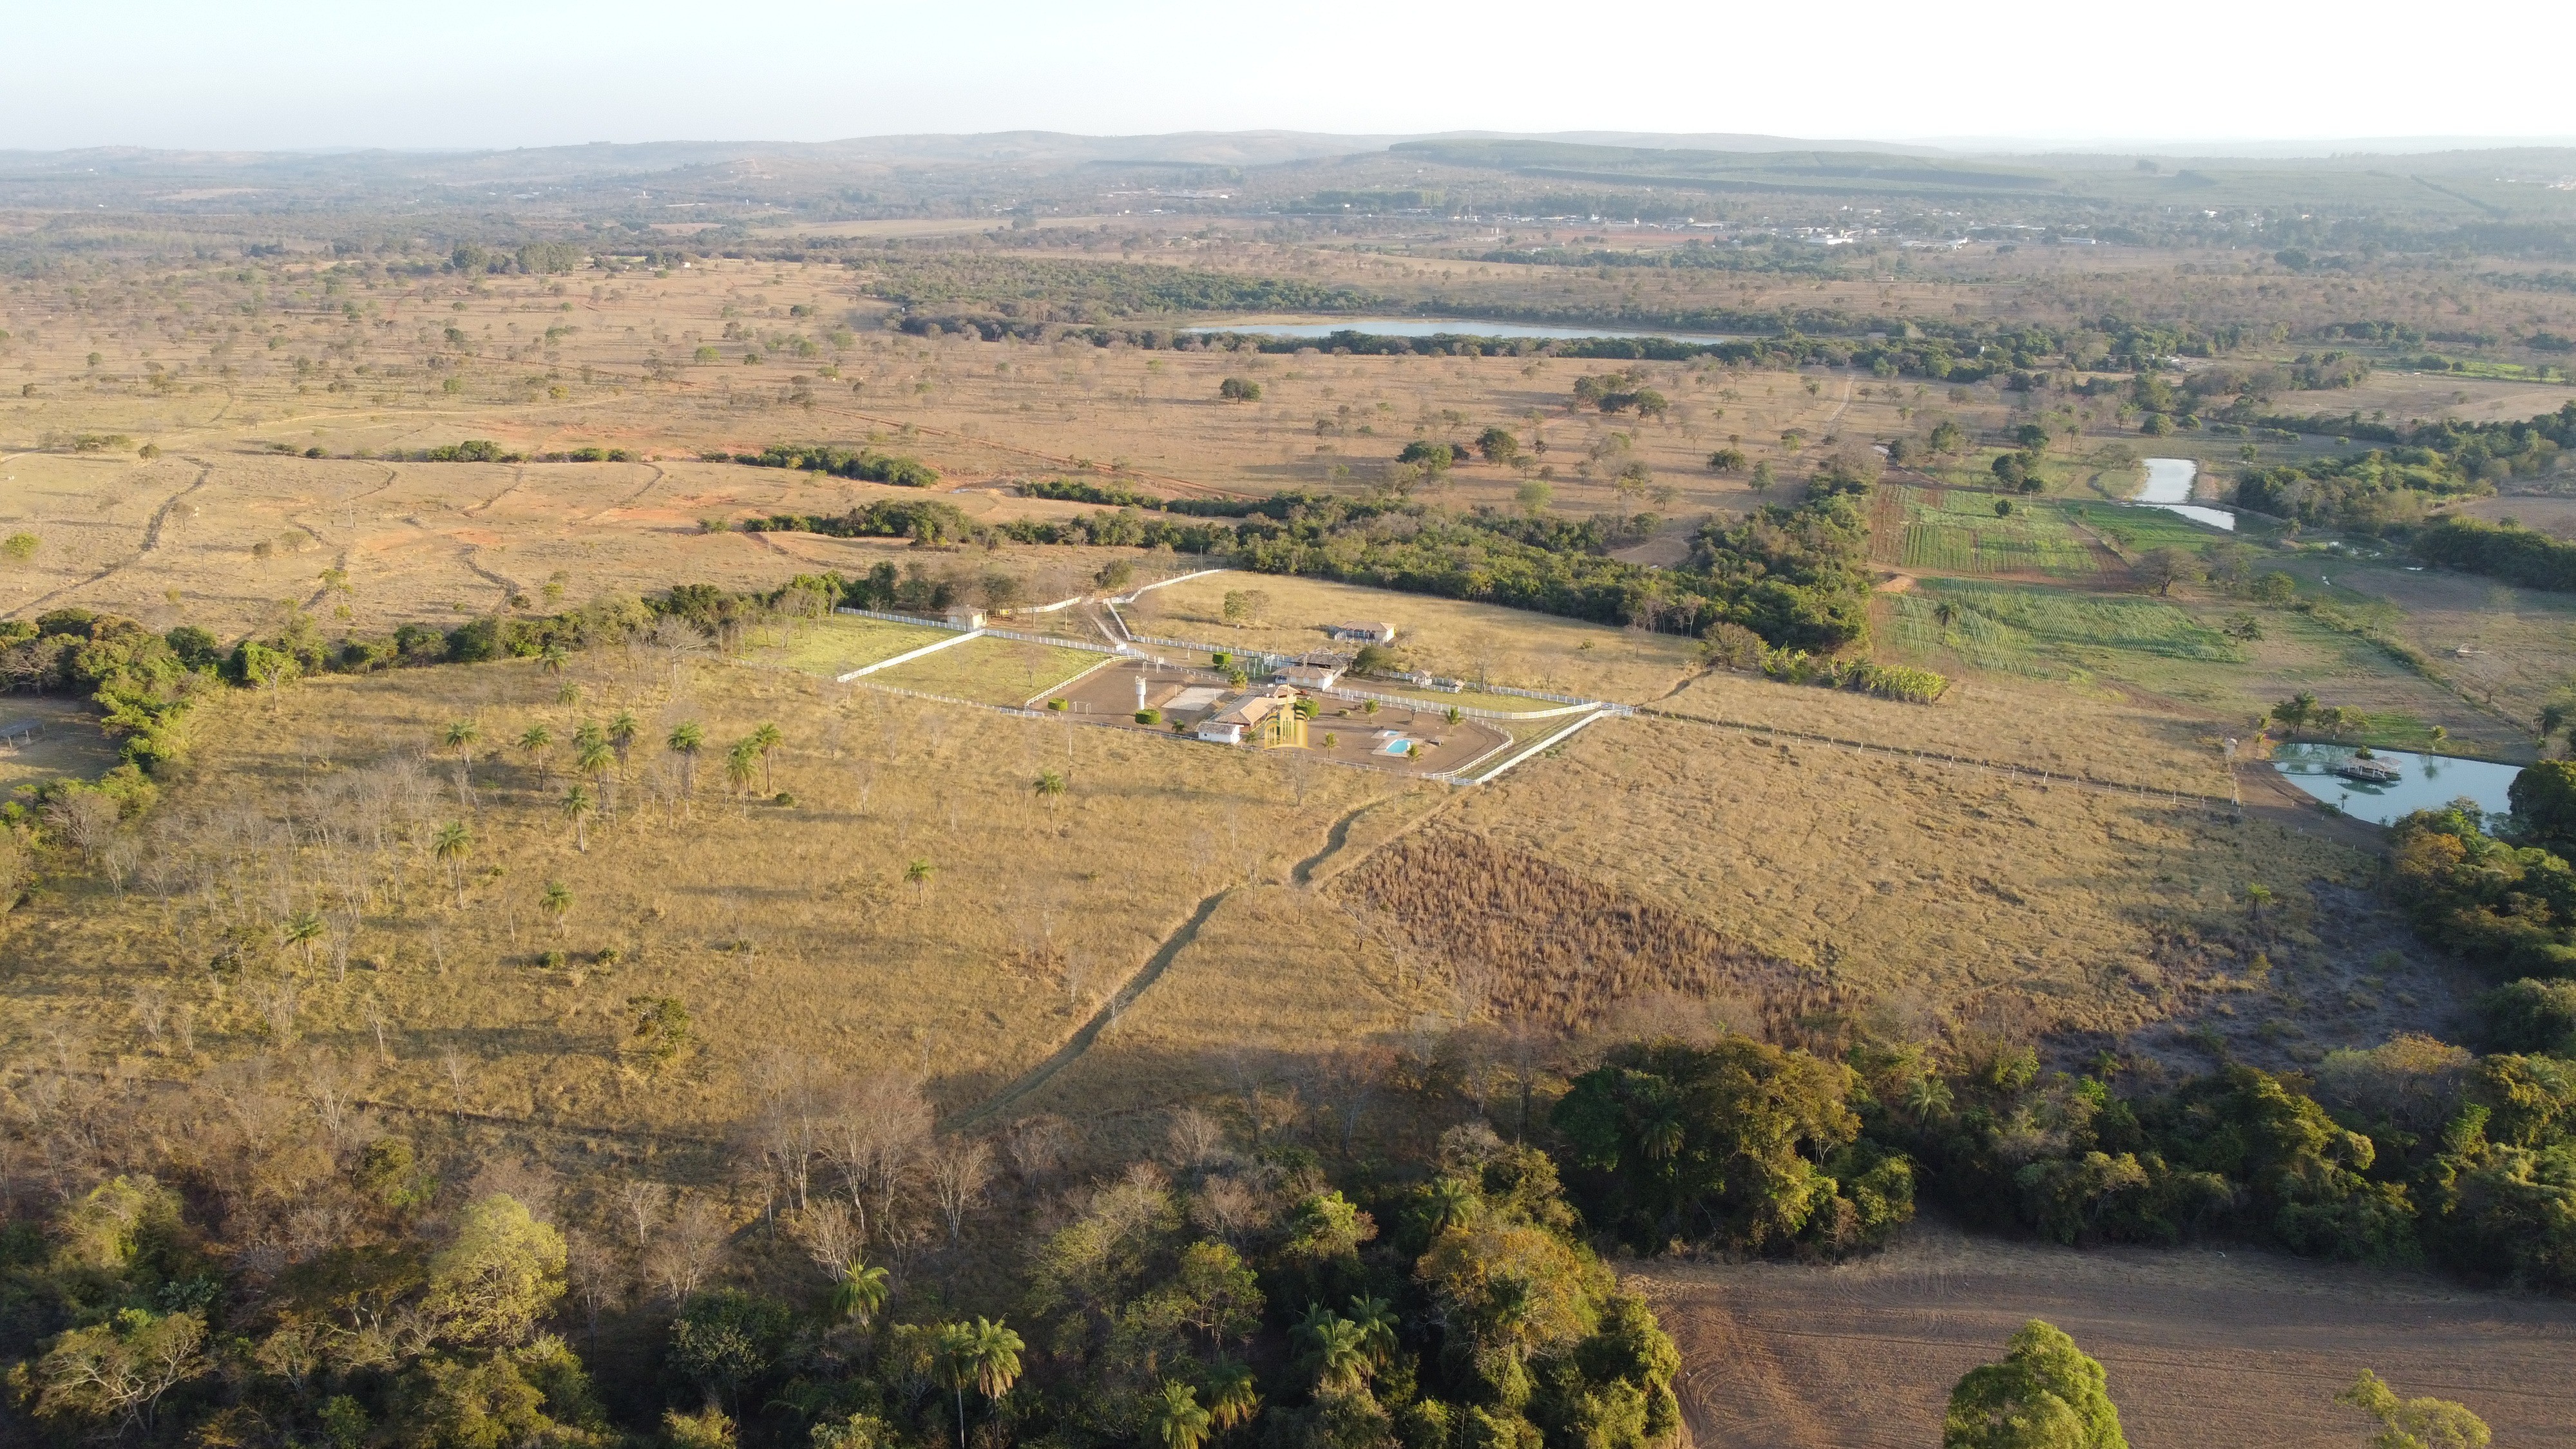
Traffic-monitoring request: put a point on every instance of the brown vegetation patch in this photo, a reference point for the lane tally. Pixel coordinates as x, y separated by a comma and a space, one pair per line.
1546, 944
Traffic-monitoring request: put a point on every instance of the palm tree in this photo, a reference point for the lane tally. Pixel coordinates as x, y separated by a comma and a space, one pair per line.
621, 737
984, 1354
578, 806
557, 901
741, 763
859, 1294
917, 875
766, 741
1178, 1420
302, 929
553, 659
452, 844
685, 741
1337, 1351
1376, 1321
2257, 896
1231, 1399
1050, 785
538, 744
460, 736
595, 759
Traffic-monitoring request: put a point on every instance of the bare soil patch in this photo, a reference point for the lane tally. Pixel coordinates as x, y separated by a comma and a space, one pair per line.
2203, 1346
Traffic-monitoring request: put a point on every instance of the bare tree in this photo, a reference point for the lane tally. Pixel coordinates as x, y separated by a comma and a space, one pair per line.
682, 1260
86, 820
151, 1012
1196, 1138
596, 1276
959, 1170
641, 1200
829, 1232
1230, 1208
332, 1083
1037, 1146
872, 1136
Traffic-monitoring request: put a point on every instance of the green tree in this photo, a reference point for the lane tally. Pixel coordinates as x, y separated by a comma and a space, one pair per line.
917, 875
1739, 1143
742, 762
1499, 445
983, 1356
662, 1027
1533, 496
1179, 1420
859, 1293
461, 736
538, 744
2296, 711
19, 547
2046, 1394
498, 1278
1239, 389
2543, 798
1050, 786
685, 740
114, 1375
556, 902
452, 844
621, 737
765, 741
579, 804
2414, 1423
302, 929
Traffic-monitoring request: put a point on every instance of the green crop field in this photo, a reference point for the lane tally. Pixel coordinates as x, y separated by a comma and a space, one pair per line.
990, 670
2135, 530
1960, 532
2042, 632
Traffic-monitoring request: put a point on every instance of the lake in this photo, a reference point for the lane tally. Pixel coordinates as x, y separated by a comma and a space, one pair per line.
2429, 781
2169, 488
1440, 326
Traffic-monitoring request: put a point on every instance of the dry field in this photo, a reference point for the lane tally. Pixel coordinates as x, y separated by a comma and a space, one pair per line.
2202, 1347
783, 928
1936, 888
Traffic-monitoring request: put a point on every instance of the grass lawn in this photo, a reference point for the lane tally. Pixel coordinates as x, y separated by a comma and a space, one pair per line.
990, 670
845, 642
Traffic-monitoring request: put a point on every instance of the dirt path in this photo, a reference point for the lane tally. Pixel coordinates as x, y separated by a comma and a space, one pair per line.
1080, 1042
151, 541
628, 501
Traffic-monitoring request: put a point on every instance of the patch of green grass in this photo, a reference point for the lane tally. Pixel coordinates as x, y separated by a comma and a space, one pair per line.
2133, 530
1954, 531
844, 642
2046, 633
990, 670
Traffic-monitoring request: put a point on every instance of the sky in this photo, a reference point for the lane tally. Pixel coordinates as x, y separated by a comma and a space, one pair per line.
473, 74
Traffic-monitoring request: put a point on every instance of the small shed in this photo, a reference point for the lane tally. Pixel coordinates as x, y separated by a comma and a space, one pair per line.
964, 618
1362, 631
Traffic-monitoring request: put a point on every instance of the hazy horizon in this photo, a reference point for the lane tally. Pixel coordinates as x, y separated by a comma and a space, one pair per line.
296, 75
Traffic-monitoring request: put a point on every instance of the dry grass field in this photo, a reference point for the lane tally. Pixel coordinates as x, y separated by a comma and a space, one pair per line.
2202, 1347
1473, 642
784, 929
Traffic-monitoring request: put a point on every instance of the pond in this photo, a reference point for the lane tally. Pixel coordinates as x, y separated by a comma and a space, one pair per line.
2425, 782
1440, 326
2169, 488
